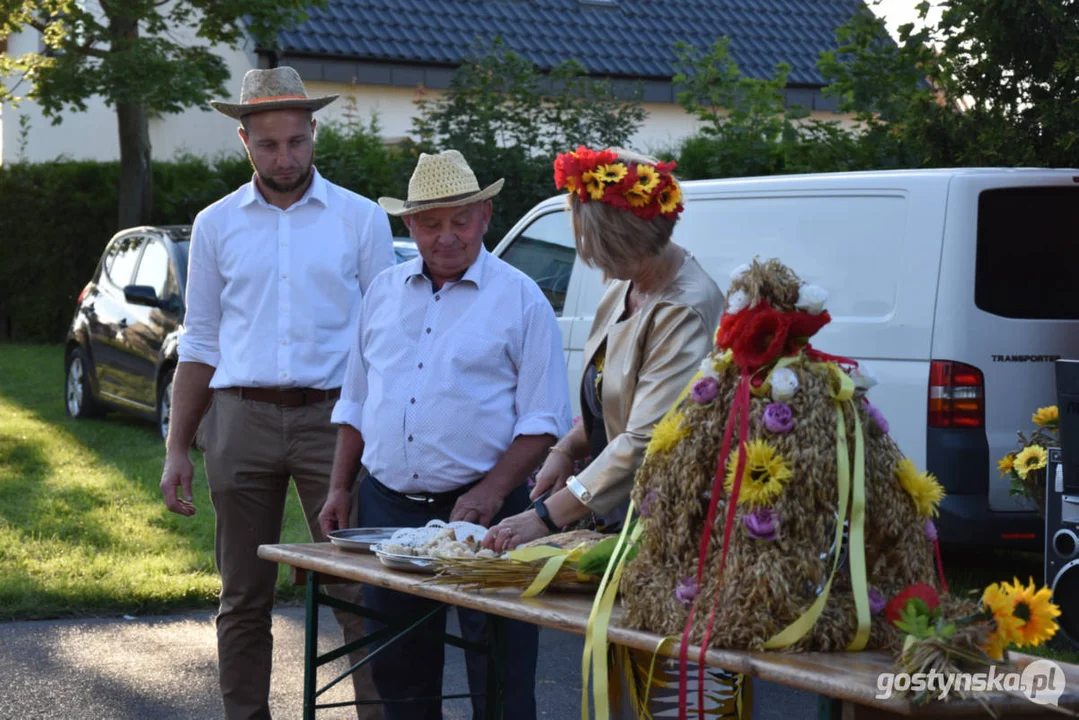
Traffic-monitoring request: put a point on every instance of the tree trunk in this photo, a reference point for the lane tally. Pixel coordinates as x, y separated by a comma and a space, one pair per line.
136, 173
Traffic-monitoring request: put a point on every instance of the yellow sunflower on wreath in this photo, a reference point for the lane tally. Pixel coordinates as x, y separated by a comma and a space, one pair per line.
766, 472
1032, 457
923, 488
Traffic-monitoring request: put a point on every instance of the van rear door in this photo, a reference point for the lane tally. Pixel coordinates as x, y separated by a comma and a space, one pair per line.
1008, 306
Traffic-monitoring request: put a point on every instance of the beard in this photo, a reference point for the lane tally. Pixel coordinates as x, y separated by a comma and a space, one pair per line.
269, 182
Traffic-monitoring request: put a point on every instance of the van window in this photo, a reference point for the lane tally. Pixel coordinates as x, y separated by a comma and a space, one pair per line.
1028, 252
545, 251
852, 244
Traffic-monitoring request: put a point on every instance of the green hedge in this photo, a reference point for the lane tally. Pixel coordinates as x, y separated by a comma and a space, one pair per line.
56, 217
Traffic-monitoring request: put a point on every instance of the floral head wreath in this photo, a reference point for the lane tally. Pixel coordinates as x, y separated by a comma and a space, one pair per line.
644, 189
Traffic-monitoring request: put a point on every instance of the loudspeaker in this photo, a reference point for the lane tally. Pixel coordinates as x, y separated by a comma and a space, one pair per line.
1062, 504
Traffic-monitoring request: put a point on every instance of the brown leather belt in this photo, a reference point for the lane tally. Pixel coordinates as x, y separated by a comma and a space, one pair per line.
289, 397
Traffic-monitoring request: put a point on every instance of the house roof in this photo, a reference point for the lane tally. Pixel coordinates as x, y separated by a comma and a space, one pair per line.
623, 38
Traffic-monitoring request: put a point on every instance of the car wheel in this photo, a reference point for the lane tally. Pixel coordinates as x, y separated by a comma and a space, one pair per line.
164, 403
78, 395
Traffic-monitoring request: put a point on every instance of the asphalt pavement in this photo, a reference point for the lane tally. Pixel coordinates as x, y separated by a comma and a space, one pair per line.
165, 668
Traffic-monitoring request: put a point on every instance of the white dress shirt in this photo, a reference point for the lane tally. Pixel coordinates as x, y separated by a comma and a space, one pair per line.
273, 295
440, 383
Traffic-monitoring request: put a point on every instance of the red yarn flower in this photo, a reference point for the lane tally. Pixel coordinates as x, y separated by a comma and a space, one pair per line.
761, 337
804, 326
919, 591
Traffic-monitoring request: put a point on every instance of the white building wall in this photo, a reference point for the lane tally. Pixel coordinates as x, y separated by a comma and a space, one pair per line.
93, 134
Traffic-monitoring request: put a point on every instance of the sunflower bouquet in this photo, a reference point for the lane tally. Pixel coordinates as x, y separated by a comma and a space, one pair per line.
1026, 468
949, 635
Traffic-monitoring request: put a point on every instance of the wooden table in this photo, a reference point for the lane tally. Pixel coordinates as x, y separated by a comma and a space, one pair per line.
846, 682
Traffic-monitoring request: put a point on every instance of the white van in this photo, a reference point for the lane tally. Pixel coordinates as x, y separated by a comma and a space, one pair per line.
953, 286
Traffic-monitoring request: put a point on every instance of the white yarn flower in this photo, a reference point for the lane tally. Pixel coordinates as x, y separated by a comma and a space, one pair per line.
784, 384
737, 301
708, 368
812, 299
739, 271
864, 378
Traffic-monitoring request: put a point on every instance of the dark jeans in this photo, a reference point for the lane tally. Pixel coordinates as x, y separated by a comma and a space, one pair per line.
412, 666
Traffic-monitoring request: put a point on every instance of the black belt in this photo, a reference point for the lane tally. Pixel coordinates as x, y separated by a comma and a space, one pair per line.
289, 397
424, 498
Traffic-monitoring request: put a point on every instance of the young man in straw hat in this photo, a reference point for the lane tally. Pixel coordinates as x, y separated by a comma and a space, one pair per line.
276, 275
455, 389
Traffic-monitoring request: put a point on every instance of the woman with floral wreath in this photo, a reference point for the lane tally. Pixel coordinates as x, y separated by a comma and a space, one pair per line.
653, 327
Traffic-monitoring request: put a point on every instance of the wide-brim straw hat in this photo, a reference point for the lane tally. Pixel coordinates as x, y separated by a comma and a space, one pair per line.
440, 181
278, 88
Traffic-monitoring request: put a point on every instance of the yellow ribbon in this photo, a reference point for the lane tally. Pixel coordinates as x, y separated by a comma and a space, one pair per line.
798, 629
595, 637
846, 384
556, 558
856, 551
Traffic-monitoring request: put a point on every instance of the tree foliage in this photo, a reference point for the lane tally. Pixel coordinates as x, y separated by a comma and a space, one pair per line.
510, 121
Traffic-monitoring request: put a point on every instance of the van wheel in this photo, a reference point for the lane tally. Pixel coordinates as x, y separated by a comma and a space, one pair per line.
79, 398
164, 403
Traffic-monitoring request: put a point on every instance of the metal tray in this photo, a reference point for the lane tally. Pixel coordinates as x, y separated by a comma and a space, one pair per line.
360, 539
407, 563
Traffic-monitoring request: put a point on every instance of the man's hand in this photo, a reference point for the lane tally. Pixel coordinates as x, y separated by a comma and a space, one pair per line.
177, 474
334, 514
479, 505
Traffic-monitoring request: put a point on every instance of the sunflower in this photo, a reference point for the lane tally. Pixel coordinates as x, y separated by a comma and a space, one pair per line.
593, 184
670, 197
1047, 417
571, 184
1006, 463
765, 474
923, 488
1005, 624
647, 178
610, 174
1032, 457
666, 434
638, 196
1033, 608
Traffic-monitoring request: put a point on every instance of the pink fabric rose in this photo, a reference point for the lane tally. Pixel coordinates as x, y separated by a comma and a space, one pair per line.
876, 602
646, 504
931, 531
778, 418
704, 391
877, 417
687, 591
761, 523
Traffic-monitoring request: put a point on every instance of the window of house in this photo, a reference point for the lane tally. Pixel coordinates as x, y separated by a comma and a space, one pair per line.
545, 251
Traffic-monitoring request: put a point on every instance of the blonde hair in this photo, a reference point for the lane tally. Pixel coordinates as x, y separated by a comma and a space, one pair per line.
608, 237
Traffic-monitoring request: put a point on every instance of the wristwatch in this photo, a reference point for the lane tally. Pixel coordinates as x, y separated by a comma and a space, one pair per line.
541, 510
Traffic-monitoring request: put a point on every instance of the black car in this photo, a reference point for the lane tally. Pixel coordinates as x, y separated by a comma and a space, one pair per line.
121, 348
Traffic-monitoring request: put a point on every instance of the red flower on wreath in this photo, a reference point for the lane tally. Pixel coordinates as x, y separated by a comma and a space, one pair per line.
919, 591
802, 327
761, 337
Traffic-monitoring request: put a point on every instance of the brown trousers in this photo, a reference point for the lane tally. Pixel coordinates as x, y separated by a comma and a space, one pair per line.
251, 449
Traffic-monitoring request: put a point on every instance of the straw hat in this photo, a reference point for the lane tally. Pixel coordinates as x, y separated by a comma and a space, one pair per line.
278, 88
439, 181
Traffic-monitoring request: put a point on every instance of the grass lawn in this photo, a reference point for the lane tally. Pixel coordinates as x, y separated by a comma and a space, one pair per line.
83, 528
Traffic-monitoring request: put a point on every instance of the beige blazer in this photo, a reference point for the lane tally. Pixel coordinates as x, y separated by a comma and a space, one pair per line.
650, 358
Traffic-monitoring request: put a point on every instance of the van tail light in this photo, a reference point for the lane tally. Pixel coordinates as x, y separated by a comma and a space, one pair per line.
956, 395
83, 293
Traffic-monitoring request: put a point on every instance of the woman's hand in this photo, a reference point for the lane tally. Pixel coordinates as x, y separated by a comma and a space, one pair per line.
553, 475
514, 531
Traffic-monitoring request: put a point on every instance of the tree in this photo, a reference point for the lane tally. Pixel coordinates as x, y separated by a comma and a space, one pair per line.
510, 121
993, 82
126, 52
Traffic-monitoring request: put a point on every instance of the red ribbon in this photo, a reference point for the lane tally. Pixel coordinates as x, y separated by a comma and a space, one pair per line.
739, 410
817, 356
940, 566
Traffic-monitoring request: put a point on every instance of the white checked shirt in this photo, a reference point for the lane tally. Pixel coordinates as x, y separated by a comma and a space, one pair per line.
273, 295
440, 383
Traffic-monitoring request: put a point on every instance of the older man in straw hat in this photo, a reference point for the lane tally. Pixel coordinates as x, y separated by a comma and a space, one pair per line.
456, 387
277, 272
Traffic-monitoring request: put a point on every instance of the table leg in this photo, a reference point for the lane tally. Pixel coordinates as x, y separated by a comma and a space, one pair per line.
496, 663
310, 655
